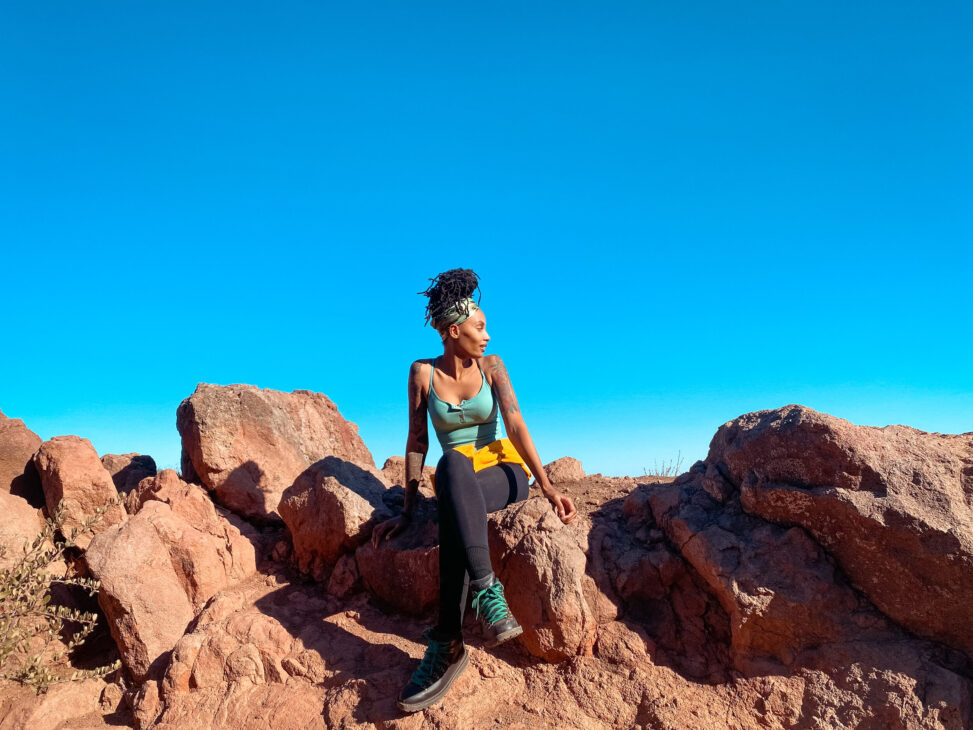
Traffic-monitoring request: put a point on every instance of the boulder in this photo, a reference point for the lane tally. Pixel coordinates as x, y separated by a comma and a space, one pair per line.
565, 469
248, 444
404, 570
70, 470
329, 510
209, 549
893, 506
127, 470
162, 566
21, 523
143, 597
542, 565
776, 585
18, 475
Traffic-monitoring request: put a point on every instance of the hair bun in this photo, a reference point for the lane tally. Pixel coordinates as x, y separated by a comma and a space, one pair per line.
447, 289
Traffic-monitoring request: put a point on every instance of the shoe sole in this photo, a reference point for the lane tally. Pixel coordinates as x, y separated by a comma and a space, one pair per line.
506, 636
416, 706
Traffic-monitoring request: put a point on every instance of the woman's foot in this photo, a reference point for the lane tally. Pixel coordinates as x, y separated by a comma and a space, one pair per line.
443, 662
490, 605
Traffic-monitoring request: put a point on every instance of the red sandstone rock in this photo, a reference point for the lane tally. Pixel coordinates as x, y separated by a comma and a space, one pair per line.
404, 571
644, 582
71, 471
330, 510
143, 597
17, 472
161, 567
249, 444
701, 615
21, 523
565, 469
127, 470
893, 506
775, 584
231, 540
65, 705
541, 563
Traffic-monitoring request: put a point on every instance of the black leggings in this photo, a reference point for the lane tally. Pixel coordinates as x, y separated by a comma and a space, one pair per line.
465, 499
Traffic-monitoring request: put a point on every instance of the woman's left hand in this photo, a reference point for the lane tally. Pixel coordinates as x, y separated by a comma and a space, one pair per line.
563, 506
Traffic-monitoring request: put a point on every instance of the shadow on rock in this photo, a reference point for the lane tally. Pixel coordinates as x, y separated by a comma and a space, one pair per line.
644, 584
344, 650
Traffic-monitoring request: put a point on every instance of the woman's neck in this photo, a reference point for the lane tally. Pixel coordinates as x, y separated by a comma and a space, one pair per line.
453, 363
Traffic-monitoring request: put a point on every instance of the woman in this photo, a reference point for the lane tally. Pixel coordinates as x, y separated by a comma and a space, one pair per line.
464, 391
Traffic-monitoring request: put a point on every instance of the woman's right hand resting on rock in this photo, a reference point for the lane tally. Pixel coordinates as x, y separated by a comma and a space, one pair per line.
563, 505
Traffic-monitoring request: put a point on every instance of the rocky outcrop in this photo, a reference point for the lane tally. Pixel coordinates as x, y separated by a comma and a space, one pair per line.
159, 568
893, 506
643, 581
70, 470
127, 470
736, 595
777, 586
248, 444
18, 444
565, 469
785, 604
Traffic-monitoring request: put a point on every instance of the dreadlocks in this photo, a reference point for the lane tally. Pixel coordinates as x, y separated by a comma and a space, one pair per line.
448, 290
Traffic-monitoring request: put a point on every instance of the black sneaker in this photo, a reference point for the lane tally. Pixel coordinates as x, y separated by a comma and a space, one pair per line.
489, 601
442, 663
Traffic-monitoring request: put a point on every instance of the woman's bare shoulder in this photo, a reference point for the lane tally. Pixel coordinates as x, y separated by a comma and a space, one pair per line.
492, 365
419, 369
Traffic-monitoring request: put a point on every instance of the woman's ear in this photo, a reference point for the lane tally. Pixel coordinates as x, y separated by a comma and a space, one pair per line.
454, 331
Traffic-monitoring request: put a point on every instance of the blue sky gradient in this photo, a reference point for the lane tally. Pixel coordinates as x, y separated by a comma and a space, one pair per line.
680, 212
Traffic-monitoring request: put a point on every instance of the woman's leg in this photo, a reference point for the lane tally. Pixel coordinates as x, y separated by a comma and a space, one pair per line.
465, 499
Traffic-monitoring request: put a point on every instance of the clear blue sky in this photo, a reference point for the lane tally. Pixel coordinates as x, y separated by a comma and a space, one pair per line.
680, 212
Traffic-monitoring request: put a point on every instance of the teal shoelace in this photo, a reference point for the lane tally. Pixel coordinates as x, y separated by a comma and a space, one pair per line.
491, 603
433, 665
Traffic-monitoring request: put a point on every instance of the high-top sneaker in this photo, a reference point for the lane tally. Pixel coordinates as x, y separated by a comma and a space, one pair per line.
491, 606
443, 662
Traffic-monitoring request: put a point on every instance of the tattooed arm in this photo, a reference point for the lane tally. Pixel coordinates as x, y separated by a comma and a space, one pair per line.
416, 447
519, 436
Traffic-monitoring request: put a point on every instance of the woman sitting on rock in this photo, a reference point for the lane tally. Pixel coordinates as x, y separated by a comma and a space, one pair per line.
464, 392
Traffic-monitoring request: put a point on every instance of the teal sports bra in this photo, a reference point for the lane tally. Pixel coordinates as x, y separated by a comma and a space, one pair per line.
474, 421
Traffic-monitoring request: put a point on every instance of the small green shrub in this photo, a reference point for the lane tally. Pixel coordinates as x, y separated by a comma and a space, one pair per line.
31, 625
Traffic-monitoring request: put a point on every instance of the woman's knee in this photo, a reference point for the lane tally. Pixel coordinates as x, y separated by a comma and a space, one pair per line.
454, 467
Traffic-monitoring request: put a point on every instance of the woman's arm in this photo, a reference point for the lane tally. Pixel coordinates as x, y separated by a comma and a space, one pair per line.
416, 447
519, 436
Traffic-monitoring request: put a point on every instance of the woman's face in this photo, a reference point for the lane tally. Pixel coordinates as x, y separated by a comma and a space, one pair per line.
471, 336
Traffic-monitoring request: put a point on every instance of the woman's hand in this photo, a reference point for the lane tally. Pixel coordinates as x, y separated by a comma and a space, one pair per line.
563, 506
390, 528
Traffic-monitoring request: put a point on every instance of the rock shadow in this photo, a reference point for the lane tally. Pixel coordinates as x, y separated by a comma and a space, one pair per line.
376, 669
128, 477
655, 592
28, 486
